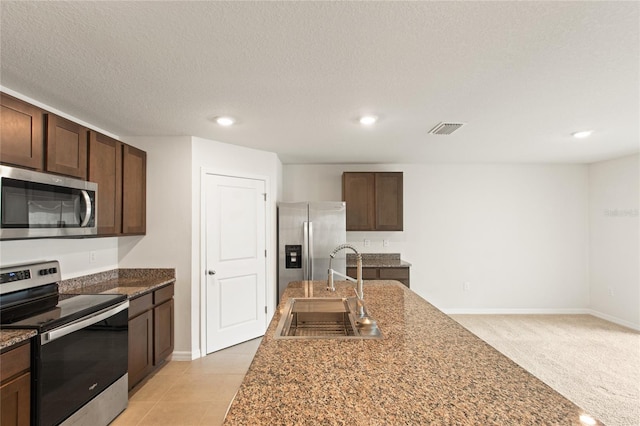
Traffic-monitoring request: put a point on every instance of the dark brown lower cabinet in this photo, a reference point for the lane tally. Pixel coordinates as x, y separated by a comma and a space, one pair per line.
140, 347
151, 332
162, 332
386, 273
15, 386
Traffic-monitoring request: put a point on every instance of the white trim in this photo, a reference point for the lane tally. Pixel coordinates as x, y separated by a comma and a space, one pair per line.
565, 311
270, 289
614, 320
516, 311
185, 355
56, 111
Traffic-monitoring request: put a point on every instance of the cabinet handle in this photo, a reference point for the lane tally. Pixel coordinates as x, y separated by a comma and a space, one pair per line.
211, 272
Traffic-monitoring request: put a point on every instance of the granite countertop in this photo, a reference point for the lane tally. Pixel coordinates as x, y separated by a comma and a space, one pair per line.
428, 369
132, 282
378, 260
10, 338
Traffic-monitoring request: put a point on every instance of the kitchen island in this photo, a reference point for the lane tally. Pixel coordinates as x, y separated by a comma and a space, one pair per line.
427, 369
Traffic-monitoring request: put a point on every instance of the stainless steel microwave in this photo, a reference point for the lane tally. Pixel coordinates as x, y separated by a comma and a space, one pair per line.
41, 205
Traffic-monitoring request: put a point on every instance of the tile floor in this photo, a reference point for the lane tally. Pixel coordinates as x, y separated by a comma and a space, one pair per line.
190, 392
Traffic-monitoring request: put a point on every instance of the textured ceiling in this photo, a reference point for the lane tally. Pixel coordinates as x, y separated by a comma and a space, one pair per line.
522, 75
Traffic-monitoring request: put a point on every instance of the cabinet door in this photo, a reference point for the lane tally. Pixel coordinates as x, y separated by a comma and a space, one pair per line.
398, 274
134, 190
105, 169
388, 196
367, 273
140, 347
163, 331
66, 147
21, 133
16, 401
358, 192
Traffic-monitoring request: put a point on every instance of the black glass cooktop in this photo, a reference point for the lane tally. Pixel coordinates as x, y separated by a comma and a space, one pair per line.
69, 308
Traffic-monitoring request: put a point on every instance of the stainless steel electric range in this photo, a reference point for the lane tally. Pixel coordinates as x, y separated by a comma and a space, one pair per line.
79, 357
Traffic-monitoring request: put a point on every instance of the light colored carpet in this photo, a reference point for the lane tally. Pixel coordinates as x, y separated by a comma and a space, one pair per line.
592, 362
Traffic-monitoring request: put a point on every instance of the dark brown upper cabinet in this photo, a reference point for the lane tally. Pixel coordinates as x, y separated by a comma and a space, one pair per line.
374, 200
66, 147
105, 169
21, 133
120, 172
134, 194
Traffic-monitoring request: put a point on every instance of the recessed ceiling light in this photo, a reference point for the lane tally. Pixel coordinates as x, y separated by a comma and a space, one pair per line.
583, 134
225, 120
368, 120
587, 419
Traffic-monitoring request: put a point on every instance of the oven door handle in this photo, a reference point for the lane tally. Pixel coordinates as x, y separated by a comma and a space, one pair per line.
82, 323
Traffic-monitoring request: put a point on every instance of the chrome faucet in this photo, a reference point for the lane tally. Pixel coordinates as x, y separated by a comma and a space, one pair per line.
358, 280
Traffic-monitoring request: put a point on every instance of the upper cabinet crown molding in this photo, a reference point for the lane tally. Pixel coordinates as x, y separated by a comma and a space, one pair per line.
21, 131
374, 200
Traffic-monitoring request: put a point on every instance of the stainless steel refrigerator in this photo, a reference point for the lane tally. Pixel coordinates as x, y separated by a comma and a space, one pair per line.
307, 233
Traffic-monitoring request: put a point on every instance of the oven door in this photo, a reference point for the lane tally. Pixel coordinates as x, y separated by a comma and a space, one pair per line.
76, 362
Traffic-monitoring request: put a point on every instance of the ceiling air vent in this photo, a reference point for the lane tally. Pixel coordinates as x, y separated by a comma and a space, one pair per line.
445, 128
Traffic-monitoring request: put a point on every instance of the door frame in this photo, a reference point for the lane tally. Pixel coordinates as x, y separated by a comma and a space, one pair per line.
269, 242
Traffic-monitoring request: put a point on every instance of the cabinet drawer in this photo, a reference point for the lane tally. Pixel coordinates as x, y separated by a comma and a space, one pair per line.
140, 304
15, 361
163, 294
394, 273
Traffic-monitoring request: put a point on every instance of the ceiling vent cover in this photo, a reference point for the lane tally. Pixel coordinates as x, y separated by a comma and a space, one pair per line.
445, 128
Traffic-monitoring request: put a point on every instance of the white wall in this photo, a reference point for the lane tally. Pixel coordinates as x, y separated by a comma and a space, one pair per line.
73, 254
614, 233
516, 233
174, 166
220, 158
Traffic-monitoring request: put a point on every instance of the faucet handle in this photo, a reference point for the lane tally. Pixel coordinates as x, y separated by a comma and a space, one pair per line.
330, 285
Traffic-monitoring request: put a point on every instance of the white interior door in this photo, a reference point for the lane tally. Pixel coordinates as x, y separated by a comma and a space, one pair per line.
235, 260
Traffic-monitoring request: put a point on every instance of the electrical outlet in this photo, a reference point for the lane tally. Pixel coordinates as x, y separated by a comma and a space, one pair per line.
466, 286
367, 243
92, 257
385, 243
609, 291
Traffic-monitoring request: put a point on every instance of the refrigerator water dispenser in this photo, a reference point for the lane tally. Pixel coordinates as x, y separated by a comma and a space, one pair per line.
293, 257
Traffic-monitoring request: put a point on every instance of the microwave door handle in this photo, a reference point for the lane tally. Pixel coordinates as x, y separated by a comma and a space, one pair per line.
87, 208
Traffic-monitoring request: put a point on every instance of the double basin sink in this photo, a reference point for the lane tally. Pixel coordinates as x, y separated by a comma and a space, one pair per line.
326, 318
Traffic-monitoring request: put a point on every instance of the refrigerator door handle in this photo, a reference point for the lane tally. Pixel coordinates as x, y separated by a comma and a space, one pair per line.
305, 251
310, 257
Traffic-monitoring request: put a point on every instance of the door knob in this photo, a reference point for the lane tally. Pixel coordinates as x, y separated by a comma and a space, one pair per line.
211, 272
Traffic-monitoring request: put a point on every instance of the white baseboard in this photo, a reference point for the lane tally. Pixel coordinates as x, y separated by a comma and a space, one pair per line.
521, 311
527, 311
185, 355
614, 320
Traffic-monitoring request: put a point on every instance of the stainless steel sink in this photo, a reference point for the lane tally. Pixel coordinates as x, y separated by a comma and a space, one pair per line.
324, 318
